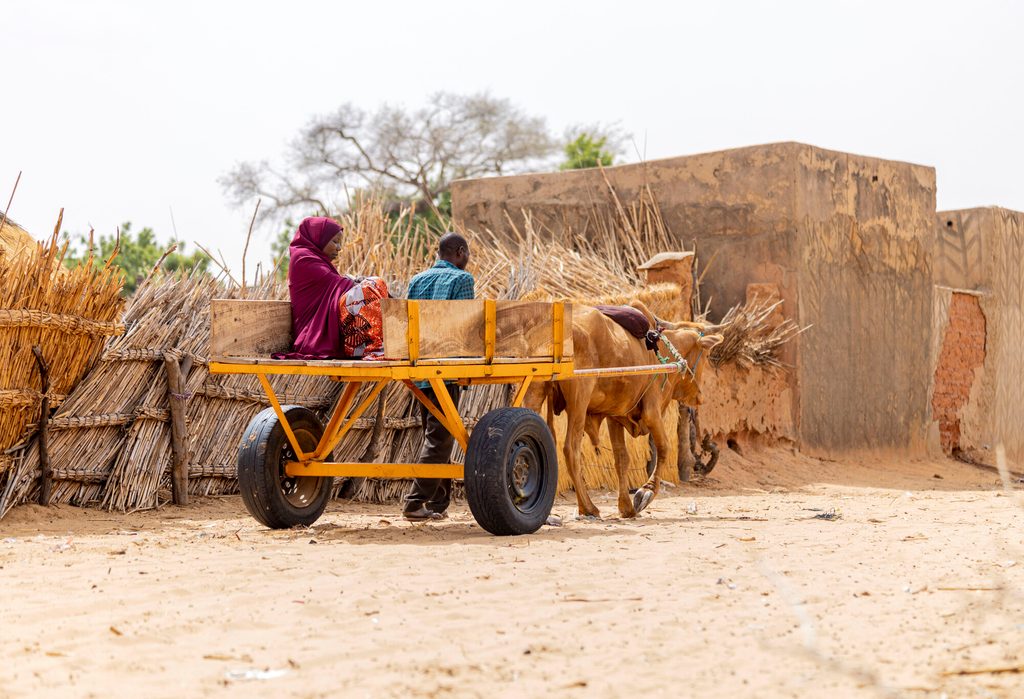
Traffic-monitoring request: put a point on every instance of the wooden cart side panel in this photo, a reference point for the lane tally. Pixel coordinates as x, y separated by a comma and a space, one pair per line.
451, 329
249, 328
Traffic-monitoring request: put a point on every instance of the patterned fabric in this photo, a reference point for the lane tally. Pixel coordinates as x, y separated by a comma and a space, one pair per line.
444, 281
362, 328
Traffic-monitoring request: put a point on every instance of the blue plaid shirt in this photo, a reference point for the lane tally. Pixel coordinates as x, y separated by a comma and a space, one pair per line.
444, 281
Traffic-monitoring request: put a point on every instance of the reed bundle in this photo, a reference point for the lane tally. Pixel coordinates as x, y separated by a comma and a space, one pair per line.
88, 429
67, 313
14, 240
630, 235
752, 336
391, 247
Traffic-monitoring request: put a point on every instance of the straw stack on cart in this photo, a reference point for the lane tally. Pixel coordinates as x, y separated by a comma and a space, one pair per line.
64, 313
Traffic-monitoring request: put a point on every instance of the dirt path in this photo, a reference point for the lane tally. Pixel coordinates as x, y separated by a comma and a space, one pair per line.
730, 588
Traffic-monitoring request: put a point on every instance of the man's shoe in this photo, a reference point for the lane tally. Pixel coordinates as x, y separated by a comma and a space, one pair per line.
420, 513
437, 514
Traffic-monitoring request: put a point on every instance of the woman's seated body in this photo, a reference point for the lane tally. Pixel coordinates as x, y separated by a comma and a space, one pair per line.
333, 315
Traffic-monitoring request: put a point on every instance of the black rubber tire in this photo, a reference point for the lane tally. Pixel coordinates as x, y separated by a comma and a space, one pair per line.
652, 462
511, 471
274, 500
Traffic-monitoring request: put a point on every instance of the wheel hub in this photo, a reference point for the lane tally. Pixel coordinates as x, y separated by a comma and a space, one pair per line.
298, 490
523, 474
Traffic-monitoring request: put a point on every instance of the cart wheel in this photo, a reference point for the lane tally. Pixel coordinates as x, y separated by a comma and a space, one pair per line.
652, 463
277, 500
511, 471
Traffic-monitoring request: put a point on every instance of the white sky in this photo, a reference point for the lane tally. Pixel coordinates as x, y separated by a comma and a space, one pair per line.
125, 110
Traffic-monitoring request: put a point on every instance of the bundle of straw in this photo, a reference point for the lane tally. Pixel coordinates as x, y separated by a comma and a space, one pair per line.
88, 430
751, 337
66, 312
14, 240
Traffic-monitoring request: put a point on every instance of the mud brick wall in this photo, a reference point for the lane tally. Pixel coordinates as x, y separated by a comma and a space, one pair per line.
846, 239
982, 250
958, 369
864, 231
738, 205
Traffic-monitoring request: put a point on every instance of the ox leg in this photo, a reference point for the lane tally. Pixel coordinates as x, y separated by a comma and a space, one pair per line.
593, 429
618, 438
573, 442
647, 492
542, 395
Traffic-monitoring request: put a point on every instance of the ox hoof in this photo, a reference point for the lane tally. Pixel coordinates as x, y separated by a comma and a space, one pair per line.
588, 518
641, 499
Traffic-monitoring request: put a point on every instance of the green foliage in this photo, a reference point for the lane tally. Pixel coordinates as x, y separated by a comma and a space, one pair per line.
279, 249
586, 150
136, 256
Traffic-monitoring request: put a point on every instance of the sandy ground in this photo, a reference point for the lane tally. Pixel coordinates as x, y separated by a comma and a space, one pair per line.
726, 588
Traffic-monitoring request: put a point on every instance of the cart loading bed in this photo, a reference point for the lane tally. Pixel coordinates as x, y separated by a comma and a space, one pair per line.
511, 467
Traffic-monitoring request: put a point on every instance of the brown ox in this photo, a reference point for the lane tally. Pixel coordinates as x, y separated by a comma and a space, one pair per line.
634, 403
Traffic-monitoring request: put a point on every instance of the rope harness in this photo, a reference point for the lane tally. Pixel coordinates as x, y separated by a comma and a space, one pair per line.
658, 335
651, 339
708, 447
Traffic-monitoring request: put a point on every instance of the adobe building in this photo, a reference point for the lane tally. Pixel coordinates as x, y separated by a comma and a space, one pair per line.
978, 350
844, 240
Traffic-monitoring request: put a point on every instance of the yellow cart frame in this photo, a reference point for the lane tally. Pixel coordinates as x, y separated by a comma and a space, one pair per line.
465, 371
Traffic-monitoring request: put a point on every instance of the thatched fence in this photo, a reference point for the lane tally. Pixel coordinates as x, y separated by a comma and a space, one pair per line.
53, 322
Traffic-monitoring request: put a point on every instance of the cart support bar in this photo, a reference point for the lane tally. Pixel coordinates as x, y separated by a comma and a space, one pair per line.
272, 397
361, 470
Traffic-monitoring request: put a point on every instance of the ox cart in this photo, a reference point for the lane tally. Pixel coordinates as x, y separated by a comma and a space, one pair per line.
285, 471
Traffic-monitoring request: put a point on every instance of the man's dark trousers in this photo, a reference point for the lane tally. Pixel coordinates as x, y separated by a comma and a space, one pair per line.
435, 493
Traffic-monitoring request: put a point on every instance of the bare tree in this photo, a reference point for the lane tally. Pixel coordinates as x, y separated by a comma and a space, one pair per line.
407, 154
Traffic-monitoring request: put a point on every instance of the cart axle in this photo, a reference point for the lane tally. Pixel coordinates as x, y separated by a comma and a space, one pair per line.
364, 470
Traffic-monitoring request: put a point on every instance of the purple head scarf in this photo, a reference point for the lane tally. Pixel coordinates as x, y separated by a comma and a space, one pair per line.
315, 287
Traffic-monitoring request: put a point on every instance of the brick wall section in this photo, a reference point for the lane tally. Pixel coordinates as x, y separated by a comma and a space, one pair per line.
963, 351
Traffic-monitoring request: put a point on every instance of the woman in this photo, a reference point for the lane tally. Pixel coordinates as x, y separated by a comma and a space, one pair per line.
333, 315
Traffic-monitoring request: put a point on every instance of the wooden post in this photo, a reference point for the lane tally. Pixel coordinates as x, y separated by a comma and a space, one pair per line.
372, 452
45, 474
176, 398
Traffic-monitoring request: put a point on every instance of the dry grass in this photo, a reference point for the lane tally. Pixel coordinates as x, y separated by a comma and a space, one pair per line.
14, 239
67, 313
751, 336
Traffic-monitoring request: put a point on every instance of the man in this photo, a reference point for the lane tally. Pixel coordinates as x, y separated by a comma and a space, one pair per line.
446, 280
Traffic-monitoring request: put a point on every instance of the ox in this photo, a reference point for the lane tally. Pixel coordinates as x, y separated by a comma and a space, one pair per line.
634, 403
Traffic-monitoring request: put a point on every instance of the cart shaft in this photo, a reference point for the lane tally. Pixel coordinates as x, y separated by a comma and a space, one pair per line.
671, 368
